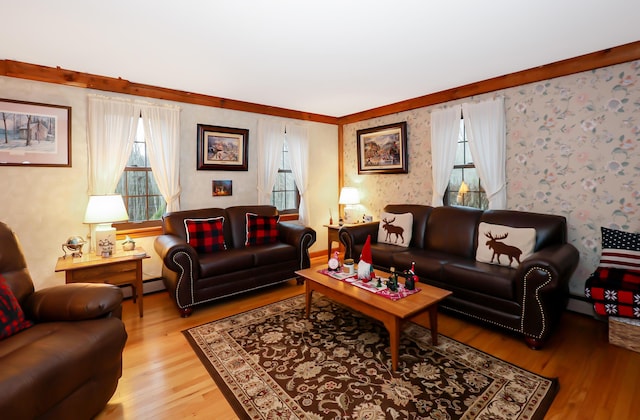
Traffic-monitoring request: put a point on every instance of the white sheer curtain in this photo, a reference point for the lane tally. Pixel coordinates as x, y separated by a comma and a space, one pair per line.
111, 131
484, 123
162, 134
298, 143
445, 129
270, 141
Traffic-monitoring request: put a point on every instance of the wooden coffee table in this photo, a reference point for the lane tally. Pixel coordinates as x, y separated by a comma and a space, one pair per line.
391, 313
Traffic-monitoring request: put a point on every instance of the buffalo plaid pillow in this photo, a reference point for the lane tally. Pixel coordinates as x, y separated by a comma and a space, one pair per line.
205, 235
11, 314
261, 230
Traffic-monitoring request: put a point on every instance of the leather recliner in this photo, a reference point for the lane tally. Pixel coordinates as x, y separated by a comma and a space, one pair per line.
68, 363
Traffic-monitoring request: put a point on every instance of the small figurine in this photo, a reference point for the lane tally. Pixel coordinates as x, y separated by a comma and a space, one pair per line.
412, 278
334, 262
128, 244
393, 280
365, 265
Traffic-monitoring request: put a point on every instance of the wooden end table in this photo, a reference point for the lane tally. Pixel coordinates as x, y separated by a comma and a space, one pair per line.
125, 267
391, 313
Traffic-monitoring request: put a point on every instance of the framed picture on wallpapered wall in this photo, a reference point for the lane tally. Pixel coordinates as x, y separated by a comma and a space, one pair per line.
34, 134
383, 150
222, 188
222, 148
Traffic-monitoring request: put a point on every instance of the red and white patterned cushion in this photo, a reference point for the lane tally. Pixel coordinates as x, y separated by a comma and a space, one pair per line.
11, 315
614, 292
206, 235
261, 230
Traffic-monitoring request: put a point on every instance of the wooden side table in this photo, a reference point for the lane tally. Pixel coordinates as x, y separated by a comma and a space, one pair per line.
125, 267
332, 236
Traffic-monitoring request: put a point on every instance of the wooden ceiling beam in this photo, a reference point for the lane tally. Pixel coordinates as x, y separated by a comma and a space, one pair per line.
608, 57
61, 76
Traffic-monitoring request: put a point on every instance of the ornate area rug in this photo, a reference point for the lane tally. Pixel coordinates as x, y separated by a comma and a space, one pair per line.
272, 363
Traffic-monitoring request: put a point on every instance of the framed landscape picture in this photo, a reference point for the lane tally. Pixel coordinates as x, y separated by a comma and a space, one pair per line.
383, 150
34, 134
222, 148
222, 188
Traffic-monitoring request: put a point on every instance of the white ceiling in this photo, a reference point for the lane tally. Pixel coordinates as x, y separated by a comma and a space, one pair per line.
331, 57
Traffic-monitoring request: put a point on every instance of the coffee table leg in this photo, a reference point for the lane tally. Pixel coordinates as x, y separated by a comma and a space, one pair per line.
433, 324
393, 326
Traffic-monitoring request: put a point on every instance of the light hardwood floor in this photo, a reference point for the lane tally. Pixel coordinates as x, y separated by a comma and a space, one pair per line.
163, 378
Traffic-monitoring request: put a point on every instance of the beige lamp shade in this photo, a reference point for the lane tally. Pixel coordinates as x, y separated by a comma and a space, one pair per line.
105, 209
349, 196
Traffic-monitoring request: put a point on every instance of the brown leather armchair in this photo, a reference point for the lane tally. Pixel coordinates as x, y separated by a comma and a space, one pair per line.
68, 363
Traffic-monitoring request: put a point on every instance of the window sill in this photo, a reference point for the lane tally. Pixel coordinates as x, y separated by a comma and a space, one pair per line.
289, 216
134, 230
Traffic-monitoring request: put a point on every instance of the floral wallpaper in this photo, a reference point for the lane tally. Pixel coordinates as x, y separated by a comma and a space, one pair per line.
573, 148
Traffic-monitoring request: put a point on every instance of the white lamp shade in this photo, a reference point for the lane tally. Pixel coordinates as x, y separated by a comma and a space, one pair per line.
105, 209
349, 196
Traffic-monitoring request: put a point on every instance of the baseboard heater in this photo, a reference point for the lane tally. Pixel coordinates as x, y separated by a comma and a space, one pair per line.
148, 286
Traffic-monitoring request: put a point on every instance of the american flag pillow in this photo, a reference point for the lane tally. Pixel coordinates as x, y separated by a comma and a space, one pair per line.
620, 250
261, 230
205, 235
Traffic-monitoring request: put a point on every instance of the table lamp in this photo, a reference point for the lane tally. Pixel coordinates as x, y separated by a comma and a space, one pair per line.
102, 210
464, 188
349, 197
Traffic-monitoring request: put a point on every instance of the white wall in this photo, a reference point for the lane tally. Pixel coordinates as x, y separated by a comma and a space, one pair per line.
45, 206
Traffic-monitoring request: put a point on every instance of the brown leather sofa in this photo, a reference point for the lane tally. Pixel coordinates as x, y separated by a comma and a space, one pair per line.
528, 299
67, 364
193, 278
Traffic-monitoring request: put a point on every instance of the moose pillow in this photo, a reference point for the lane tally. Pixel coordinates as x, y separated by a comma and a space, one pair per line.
504, 245
395, 229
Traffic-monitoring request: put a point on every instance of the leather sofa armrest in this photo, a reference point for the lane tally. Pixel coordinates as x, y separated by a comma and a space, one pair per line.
168, 246
74, 302
357, 234
302, 237
544, 288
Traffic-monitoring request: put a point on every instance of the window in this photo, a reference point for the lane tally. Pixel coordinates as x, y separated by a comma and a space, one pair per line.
285, 195
465, 187
137, 185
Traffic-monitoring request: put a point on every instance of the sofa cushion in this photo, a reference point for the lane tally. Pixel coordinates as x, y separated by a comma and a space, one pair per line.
269, 254
205, 235
11, 315
227, 261
395, 229
491, 280
620, 250
261, 230
514, 245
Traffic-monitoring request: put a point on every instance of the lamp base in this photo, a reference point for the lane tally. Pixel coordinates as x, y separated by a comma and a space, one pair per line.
105, 240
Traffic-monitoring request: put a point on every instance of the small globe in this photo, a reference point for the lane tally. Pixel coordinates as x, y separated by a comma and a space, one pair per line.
75, 242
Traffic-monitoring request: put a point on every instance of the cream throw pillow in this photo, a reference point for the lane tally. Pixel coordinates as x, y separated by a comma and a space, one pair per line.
504, 245
395, 229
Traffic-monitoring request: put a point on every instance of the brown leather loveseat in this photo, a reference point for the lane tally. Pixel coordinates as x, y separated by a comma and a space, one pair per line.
220, 264
527, 299
66, 362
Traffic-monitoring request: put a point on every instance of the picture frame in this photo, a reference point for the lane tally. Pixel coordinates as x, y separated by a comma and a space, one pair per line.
383, 150
221, 188
222, 148
34, 134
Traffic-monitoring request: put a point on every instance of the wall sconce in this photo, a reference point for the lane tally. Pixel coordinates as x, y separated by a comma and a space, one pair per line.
349, 197
102, 210
464, 188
